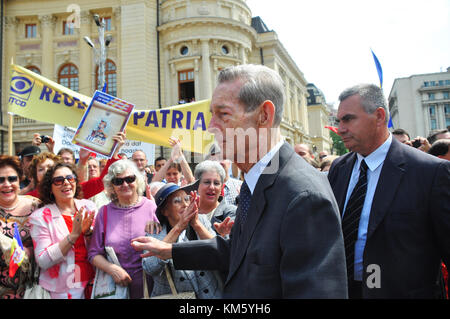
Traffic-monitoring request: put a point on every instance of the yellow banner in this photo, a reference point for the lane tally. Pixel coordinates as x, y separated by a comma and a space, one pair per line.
36, 97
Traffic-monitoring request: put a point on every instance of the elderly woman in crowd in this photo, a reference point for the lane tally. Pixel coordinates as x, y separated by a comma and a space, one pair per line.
178, 215
125, 218
60, 231
15, 209
211, 176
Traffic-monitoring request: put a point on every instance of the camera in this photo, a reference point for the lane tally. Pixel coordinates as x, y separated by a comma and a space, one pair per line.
45, 139
416, 143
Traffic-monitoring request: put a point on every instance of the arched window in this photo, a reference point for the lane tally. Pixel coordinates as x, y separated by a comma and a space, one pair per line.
68, 76
110, 78
34, 69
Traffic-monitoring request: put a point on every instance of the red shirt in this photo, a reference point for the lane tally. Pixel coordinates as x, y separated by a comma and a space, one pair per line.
87, 272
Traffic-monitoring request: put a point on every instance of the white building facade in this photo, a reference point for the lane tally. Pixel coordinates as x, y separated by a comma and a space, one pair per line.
421, 103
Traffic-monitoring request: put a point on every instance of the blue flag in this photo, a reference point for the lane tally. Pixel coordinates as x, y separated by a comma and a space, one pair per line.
380, 76
379, 69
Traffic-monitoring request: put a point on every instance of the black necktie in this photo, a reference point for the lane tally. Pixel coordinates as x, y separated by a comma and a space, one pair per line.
352, 215
245, 197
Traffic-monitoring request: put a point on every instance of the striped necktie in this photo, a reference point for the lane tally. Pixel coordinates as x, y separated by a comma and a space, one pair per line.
352, 215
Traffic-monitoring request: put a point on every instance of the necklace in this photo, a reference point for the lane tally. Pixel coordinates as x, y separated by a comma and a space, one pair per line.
8, 209
128, 206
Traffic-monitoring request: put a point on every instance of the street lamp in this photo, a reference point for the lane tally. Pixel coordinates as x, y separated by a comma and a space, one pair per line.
100, 56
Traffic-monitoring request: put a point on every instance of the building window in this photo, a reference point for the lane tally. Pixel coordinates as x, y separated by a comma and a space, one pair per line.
446, 95
447, 114
107, 23
184, 50
447, 82
34, 69
68, 76
431, 96
110, 78
433, 124
432, 110
225, 50
67, 28
30, 31
186, 87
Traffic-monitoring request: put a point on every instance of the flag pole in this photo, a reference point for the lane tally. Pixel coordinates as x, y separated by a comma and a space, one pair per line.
10, 126
10, 134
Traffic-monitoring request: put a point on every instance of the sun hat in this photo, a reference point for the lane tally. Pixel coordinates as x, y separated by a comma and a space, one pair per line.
168, 189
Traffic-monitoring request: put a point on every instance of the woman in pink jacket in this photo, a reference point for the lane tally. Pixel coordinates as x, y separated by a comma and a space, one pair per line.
60, 231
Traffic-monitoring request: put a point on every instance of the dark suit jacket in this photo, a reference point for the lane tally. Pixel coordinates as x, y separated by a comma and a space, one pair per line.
291, 245
409, 224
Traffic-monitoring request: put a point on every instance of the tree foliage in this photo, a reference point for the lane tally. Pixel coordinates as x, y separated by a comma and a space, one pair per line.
338, 145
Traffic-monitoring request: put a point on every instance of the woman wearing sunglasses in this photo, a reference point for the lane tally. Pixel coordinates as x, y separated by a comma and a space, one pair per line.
61, 230
15, 209
125, 218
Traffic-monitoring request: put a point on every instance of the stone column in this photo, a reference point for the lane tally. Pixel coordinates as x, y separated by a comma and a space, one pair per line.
205, 92
196, 80
296, 106
87, 66
167, 79
47, 26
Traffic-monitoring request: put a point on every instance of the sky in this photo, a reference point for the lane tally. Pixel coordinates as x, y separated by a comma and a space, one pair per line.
330, 40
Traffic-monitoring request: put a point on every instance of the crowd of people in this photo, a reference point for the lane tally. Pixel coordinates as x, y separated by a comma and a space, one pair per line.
309, 226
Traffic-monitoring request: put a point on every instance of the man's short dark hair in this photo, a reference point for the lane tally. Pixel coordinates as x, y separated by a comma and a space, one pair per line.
432, 137
401, 131
160, 158
440, 147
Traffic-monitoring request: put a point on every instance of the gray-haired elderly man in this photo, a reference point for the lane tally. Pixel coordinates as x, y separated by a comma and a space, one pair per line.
395, 202
286, 241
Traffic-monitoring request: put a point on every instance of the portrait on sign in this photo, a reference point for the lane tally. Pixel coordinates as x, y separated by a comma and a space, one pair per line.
100, 123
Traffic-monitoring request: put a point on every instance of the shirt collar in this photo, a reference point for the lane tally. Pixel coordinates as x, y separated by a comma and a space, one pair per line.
253, 174
377, 157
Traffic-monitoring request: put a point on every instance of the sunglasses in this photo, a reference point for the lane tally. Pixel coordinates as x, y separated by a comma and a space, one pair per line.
178, 199
59, 180
11, 179
117, 181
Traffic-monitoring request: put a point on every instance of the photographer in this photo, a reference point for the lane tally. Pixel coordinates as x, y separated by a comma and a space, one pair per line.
43, 139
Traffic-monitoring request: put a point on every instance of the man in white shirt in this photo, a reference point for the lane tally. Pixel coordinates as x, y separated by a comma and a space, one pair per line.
394, 201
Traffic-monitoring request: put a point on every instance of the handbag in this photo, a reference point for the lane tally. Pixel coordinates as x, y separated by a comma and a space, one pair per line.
175, 294
104, 285
36, 291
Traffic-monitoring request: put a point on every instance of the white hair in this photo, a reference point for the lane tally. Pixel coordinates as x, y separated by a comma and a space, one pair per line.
118, 168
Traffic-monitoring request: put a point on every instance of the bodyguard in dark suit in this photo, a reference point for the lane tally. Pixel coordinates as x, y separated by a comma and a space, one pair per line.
286, 241
395, 245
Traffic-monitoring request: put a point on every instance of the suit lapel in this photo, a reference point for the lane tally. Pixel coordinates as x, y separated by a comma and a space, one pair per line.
241, 239
343, 176
390, 178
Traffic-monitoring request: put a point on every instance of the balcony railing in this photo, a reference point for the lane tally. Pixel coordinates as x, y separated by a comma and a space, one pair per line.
18, 120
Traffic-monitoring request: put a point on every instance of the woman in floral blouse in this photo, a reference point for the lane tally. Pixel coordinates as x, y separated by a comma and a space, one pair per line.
15, 209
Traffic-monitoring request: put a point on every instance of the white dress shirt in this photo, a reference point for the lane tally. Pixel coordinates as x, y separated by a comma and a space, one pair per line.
255, 172
374, 163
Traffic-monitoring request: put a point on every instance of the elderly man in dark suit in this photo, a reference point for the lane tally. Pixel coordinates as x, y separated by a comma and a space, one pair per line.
395, 202
287, 240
